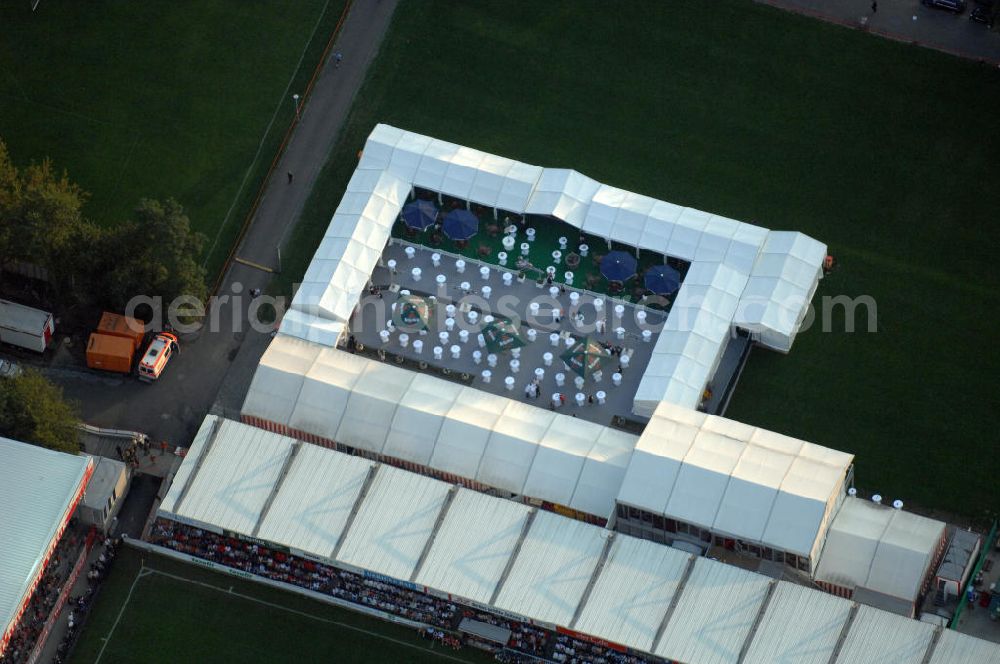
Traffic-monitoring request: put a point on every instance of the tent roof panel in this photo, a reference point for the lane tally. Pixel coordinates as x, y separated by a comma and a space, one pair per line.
473, 545
799, 626
234, 482
633, 591
714, 615
393, 523
311, 508
957, 648
552, 569
876, 637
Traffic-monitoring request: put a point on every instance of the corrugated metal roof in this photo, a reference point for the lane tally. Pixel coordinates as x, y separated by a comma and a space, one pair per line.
714, 615
632, 593
37, 486
955, 648
473, 545
877, 637
312, 506
191, 460
553, 568
233, 482
394, 522
799, 626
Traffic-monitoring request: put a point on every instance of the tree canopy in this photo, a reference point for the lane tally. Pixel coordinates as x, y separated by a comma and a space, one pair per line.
33, 410
41, 222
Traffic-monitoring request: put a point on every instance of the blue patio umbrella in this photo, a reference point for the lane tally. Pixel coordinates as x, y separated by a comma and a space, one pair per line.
618, 266
460, 224
662, 279
418, 215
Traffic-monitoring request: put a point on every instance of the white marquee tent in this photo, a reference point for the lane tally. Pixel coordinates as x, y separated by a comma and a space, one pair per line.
780, 288
546, 568
879, 548
735, 480
427, 421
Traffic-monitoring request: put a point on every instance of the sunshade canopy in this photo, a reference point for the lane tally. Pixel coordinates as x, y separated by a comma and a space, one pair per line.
461, 225
414, 312
418, 215
618, 266
586, 358
501, 336
662, 279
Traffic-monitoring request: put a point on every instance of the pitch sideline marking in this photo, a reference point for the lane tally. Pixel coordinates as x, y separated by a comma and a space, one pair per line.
296, 611
267, 131
143, 571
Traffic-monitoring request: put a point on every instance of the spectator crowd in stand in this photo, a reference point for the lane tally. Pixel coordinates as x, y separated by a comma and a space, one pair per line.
528, 643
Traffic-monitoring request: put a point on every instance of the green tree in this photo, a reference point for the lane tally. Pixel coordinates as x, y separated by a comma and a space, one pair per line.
41, 218
33, 410
155, 255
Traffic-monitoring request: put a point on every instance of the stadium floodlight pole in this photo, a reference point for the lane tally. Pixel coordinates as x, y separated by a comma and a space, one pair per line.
295, 100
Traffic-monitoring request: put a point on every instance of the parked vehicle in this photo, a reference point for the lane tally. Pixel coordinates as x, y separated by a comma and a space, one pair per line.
982, 13
955, 6
25, 326
154, 361
9, 369
110, 353
117, 325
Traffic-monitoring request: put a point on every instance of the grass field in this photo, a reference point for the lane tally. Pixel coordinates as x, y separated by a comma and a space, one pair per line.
158, 99
882, 150
154, 610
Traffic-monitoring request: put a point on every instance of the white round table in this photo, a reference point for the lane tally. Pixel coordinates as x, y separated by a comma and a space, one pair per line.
508, 382
441, 280
487, 375
404, 340
418, 346
547, 359
525, 248
539, 373
456, 352
415, 273
438, 352
484, 273
460, 266
556, 256
436, 259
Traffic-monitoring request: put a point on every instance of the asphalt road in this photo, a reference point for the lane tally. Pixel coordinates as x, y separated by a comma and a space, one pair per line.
907, 21
172, 408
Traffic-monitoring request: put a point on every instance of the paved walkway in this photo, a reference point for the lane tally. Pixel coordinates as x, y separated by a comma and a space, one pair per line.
172, 408
906, 21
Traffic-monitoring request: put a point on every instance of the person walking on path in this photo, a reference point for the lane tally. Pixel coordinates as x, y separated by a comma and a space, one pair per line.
874, 7
289, 177
337, 57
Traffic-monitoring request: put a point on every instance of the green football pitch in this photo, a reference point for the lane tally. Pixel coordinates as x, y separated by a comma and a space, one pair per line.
884, 151
159, 99
154, 610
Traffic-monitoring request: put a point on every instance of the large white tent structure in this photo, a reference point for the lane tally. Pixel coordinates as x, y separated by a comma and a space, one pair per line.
559, 573
39, 491
742, 275
887, 553
709, 477
437, 427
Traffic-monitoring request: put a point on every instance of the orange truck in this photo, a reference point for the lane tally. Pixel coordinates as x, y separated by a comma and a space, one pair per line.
110, 353
113, 346
122, 326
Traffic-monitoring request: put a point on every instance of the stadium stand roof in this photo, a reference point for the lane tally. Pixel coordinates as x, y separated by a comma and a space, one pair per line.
735, 479
545, 567
955, 647
710, 625
799, 625
631, 596
881, 549
394, 522
878, 636
39, 488
473, 544
428, 421
314, 502
235, 471
553, 568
